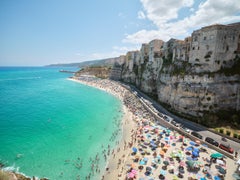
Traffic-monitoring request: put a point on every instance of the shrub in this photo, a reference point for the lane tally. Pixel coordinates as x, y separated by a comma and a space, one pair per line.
228, 133
221, 131
239, 136
235, 135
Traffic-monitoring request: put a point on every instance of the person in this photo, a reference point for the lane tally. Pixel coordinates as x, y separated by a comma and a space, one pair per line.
236, 154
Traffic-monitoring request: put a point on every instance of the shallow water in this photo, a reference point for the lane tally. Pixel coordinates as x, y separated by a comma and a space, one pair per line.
49, 125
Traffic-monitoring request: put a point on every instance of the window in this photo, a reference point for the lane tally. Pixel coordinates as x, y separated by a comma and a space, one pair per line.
204, 38
227, 48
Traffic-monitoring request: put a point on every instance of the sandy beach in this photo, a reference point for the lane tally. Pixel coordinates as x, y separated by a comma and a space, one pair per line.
147, 150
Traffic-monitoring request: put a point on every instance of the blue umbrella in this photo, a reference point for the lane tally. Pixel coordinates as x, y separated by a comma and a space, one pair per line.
196, 149
145, 159
189, 158
192, 143
142, 162
163, 172
189, 148
166, 138
217, 178
195, 153
134, 149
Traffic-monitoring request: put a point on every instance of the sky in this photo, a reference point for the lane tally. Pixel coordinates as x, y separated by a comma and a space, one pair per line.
42, 32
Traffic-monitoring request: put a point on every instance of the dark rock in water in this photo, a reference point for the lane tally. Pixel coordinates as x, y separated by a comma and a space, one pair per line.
1, 165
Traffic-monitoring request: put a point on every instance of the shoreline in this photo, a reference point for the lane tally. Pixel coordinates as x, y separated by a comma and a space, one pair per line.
121, 151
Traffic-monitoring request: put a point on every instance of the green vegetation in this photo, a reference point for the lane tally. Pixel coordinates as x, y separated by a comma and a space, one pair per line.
233, 70
167, 61
235, 135
228, 133
98, 71
221, 130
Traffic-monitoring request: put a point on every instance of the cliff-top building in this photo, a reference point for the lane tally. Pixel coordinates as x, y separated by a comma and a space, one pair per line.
214, 46
154, 49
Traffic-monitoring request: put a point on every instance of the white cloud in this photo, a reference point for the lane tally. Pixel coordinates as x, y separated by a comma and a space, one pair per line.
165, 15
141, 15
162, 11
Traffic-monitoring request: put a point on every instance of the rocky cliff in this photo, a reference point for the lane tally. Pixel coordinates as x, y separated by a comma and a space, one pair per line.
98, 71
178, 86
206, 88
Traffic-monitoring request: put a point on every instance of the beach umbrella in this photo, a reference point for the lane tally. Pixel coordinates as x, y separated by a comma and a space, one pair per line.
238, 162
134, 149
175, 177
189, 158
166, 139
131, 175
171, 167
163, 172
162, 153
195, 149
195, 153
220, 162
221, 170
133, 165
198, 142
165, 163
189, 148
216, 155
148, 169
191, 163
192, 143
142, 162
182, 163
134, 171
217, 178
145, 159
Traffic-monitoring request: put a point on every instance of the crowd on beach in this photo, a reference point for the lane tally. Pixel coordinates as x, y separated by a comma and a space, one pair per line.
154, 152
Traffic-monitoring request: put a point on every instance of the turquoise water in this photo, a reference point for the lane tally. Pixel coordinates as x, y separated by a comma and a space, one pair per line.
49, 125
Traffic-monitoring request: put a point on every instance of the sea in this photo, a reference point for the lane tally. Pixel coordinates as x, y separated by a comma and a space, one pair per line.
53, 127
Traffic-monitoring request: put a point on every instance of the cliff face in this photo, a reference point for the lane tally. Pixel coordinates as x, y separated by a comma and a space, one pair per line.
196, 77
183, 90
